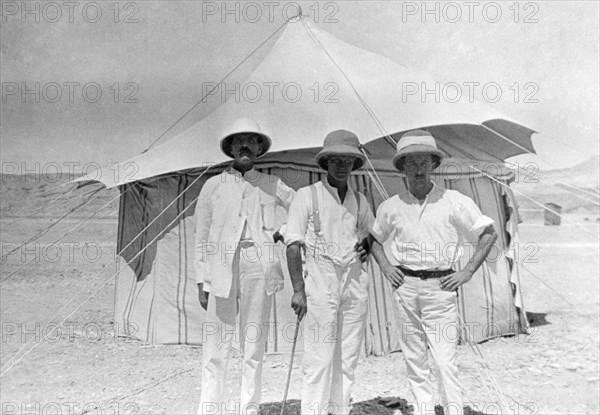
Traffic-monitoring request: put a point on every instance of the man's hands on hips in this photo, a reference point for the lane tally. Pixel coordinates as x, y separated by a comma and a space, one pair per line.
453, 281
299, 303
394, 275
202, 296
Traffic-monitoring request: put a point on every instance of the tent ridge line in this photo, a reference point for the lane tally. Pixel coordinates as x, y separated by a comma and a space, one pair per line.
214, 87
378, 123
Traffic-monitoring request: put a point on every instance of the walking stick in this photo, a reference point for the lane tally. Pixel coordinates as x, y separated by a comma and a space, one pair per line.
289, 375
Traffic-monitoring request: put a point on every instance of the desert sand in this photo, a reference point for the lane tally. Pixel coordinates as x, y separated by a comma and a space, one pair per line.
84, 368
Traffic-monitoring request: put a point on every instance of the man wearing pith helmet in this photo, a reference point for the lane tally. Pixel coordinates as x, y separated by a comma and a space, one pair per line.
236, 228
330, 222
422, 226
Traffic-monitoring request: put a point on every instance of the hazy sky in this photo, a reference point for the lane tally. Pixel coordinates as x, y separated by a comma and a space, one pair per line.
159, 53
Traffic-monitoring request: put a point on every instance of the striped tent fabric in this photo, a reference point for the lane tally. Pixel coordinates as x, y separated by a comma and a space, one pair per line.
156, 294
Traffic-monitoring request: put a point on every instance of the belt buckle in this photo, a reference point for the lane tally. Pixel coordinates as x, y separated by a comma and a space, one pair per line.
422, 275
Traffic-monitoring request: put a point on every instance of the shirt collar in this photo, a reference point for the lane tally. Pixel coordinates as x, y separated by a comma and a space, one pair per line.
334, 192
252, 173
435, 189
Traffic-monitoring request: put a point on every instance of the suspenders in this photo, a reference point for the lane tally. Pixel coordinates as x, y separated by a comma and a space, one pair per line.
317, 217
315, 206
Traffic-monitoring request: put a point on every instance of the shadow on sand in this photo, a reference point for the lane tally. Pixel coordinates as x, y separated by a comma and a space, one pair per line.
376, 406
537, 319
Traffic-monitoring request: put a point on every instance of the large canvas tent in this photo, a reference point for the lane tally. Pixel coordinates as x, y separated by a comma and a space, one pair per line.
156, 295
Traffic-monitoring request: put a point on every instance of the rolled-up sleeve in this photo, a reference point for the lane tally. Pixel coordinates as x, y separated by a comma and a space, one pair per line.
285, 196
297, 220
468, 217
366, 217
203, 216
382, 226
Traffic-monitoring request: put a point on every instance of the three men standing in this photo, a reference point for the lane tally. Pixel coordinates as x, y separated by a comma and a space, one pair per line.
330, 222
334, 227
235, 264
425, 224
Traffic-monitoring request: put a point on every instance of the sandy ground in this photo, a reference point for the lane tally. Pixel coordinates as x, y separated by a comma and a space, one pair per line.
83, 367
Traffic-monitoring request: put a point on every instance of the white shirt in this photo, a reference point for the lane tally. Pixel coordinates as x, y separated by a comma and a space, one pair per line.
340, 228
428, 235
228, 204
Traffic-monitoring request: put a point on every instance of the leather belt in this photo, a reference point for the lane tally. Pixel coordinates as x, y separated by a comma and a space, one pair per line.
425, 274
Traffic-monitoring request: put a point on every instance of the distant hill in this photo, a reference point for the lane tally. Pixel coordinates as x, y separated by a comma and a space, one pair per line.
574, 189
32, 195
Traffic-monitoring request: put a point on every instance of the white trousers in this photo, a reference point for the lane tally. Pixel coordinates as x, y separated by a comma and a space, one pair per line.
248, 296
430, 319
334, 329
